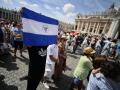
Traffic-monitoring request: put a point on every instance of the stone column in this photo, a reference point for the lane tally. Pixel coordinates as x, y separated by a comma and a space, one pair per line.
116, 29
17, 17
89, 27
94, 28
78, 26
116, 36
81, 26
86, 26
5, 15
104, 29
98, 27
113, 28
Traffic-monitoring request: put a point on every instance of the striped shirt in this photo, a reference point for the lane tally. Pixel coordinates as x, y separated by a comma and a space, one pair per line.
99, 82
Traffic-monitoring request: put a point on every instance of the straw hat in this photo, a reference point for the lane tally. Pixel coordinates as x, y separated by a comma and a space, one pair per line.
88, 50
64, 37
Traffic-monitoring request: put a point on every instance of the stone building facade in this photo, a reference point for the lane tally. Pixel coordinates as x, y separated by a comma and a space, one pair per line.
65, 27
11, 15
107, 22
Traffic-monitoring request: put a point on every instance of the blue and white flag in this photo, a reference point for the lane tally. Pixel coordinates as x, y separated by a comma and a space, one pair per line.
38, 30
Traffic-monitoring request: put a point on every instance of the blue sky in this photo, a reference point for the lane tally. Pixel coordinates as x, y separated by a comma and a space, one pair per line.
64, 10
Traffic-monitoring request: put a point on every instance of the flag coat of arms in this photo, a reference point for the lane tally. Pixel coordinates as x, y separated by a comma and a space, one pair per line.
38, 30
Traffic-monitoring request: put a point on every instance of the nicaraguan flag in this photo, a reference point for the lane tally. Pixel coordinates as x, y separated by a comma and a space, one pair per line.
38, 30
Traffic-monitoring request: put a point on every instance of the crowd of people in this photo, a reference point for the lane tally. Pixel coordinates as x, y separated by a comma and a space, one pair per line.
11, 35
103, 45
5, 36
99, 63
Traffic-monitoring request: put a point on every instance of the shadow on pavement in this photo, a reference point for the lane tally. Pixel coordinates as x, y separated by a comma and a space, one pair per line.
73, 56
24, 59
4, 86
8, 62
63, 84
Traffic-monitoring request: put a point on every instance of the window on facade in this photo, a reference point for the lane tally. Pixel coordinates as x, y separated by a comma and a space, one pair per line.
90, 29
106, 31
6, 16
83, 28
100, 31
94, 31
75, 27
12, 17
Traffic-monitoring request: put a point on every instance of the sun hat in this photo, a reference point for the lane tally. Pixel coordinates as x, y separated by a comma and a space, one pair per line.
64, 37
88, 50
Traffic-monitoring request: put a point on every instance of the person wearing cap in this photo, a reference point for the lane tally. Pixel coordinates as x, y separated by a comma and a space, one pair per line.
83, 68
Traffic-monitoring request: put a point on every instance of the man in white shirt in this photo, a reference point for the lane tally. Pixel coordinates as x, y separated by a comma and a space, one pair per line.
13, 28
106, 48
52, 58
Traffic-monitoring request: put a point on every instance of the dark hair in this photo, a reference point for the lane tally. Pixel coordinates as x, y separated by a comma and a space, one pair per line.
98, 61
109, 39
114, 40
111, 69
15, 24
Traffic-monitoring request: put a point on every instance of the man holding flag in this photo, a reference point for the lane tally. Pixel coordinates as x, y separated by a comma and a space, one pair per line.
39, 31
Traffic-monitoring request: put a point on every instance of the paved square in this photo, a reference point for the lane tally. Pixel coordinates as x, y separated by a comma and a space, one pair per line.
12, 70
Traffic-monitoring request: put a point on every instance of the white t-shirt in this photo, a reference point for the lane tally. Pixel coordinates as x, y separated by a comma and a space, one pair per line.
13, 28
51, 50
107, 44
